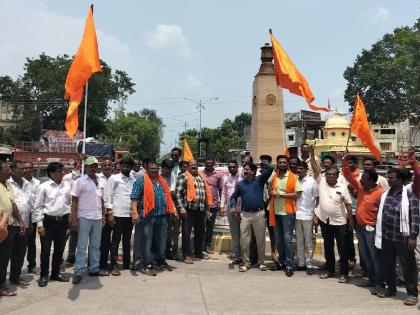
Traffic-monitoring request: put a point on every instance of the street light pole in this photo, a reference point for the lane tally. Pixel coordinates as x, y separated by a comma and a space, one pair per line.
200, 107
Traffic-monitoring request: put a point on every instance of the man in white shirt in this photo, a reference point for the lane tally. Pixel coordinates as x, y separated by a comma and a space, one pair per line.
137, 170
304, 218
228, 187
87, 217
118, 209
72, 235
31, 254
334, 214
104, 175
22, 195
51, 214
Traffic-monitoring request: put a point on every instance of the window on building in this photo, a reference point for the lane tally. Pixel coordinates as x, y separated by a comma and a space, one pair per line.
332, 134
291, 138
343, 134
387, 131
376, 130
386, 146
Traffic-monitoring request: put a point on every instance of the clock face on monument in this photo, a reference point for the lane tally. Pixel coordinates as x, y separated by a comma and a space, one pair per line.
270, 99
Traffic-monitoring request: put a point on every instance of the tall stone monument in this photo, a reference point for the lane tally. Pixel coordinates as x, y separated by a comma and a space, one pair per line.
267, 126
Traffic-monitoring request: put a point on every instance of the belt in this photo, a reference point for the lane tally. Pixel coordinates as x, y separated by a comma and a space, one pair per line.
56, 217
253, 210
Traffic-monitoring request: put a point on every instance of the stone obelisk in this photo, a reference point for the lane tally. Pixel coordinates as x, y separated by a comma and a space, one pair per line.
267, 126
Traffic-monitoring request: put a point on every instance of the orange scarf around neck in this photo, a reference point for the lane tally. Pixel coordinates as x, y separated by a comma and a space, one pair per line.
290, 203
149, 195
191, 192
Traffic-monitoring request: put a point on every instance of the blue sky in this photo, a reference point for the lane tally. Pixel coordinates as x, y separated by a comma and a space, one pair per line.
202, 49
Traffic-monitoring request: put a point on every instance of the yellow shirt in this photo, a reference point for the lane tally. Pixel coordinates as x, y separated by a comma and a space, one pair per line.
280, 203
6, 200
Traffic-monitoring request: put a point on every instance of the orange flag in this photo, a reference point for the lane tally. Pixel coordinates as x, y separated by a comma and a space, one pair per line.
188, 156
360, 127
289, 77
85, 63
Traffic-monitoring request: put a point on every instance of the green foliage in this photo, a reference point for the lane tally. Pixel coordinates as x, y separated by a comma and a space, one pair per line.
229, 135
388, 77
139, 132
37, 96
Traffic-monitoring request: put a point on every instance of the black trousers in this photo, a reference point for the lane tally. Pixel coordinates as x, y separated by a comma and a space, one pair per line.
210, 220
351, 251
18, 245
4, 259
195, 220
270, 229
122, 229
390, 251
339, 233
72, 237
31, 254
55, 232
106, 244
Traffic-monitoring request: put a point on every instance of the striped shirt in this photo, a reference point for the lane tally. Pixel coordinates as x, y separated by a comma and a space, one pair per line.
391, 217
160, 199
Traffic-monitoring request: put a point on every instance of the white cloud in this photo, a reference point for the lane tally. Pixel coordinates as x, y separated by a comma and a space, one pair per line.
169, 37
33, 29
381, 14
193, 81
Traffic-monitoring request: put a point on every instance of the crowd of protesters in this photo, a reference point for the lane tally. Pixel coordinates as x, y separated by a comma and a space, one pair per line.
95, 212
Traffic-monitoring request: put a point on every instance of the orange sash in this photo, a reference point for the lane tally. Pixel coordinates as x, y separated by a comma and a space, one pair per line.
191, 192
290, 203
149, 195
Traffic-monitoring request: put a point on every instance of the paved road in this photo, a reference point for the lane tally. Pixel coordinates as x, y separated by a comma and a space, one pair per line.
207, 287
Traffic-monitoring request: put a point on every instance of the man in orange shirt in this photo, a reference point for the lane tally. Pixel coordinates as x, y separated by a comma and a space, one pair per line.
368, 200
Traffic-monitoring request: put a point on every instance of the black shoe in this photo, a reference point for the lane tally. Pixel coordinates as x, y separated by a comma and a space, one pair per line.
236, 260
310, 271
148, 270
301, 268
76, 279
102, 273
59, 278
279, 266
43, 281
170, 256
165, 266
289, 271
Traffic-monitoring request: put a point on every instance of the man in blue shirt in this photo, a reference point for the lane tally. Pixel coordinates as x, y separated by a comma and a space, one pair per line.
251, 190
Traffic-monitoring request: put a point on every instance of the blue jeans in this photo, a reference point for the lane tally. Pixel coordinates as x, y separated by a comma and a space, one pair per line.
89, 233
370, 254
284, 238
153, 227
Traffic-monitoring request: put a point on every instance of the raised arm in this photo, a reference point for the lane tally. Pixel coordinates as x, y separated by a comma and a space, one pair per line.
314, 164
348, 175
266, 171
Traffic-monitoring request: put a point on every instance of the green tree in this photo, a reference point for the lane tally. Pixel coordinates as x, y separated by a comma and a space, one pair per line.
139, 132
388, 77
37, 100
229, 135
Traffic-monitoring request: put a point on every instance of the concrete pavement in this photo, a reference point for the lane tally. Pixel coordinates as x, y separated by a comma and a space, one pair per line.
206, 287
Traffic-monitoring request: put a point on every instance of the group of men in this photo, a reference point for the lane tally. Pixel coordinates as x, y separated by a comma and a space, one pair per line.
95, 212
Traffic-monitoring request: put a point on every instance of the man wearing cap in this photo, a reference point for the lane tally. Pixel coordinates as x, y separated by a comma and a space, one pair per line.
87, 217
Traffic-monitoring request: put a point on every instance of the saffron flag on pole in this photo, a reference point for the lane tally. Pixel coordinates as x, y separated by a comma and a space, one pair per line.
188, 156
289, 77
360, 127
85, 63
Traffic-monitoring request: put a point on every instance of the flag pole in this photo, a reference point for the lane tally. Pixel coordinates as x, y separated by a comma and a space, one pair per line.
351, 123
84, 129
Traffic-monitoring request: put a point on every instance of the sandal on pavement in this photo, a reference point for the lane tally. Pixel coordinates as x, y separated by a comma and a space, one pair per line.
263, 267
411, 300
343, 279
243, 268
326, 275
21, 282
385, 293
115, 272
7, 292
188, 260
